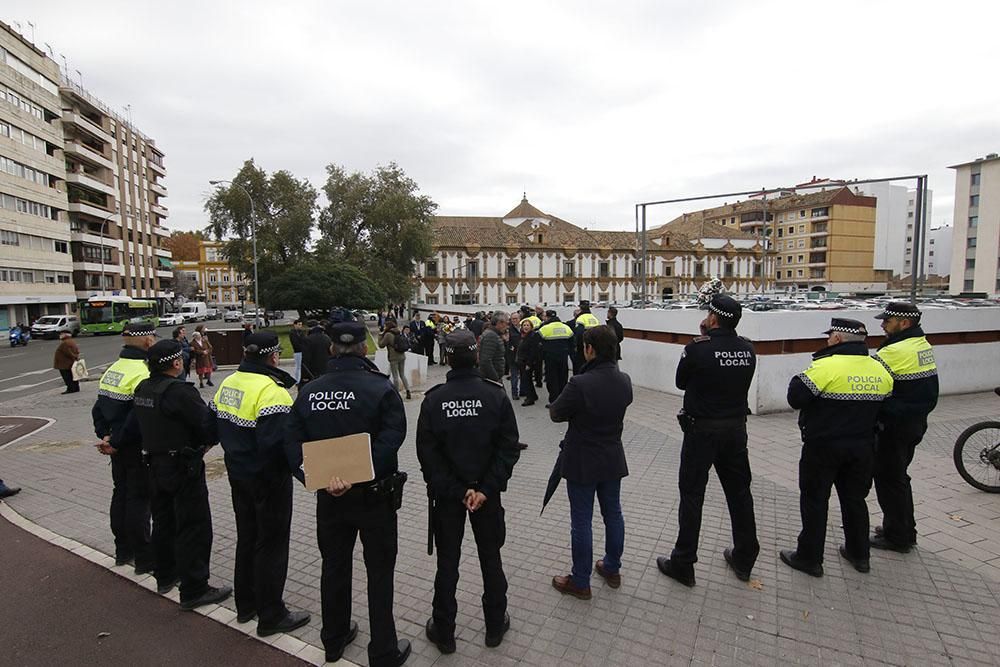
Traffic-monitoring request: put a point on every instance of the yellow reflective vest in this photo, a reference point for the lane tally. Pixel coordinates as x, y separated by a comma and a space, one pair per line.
244, 397
121, 378
588, 321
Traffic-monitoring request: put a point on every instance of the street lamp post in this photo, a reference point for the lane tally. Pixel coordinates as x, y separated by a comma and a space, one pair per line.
104, 281
253, 236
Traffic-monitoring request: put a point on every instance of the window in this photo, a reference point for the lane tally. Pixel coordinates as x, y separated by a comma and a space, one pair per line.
909, 214
569, 269
777, 274
603, 296
781, 232
819, 212
802, 229
931, 253
788, 259
967, 286
511, 271
728, 270
798, 273
973, 201
973, 220
61, 246
604, 269
9, 238
909, 239
668, 270
431, 269
568, 297
63, 278
970, 263
432, 299
801, 243
798, 260
974, 179
802, 214
636, 269
970, 242
699, 270
472, 270
511, 299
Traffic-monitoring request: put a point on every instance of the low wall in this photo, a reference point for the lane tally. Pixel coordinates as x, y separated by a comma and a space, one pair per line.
416, 366
966, 345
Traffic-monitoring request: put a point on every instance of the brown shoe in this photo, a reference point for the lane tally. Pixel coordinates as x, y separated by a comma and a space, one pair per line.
566, 585
613, 580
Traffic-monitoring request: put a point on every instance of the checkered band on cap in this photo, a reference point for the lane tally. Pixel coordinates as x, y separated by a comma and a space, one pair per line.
136, 331
850, 330
718, 311
170, 357
895, 313
264, 351
470, 348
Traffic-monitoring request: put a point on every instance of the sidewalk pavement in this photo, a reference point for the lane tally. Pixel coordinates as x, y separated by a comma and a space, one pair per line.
937, 605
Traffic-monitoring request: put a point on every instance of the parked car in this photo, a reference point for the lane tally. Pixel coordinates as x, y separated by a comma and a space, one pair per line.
194, 311
171, 320
50, 326
275, 315
232, 316
212, 313
252, 316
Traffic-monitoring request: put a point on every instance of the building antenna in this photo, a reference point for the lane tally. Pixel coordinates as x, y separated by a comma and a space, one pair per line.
80, 74
32, 26
65, 66
51, 52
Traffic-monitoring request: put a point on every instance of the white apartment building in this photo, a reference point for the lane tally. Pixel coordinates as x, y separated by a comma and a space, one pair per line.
35, 264
937, 252
976, 237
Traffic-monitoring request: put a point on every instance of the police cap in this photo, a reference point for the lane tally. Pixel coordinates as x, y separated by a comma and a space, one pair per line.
460, 341
348, 333
261, 344
135, 329
585, 303
847, 326
163, 352
902, 309
550, 313
726, 307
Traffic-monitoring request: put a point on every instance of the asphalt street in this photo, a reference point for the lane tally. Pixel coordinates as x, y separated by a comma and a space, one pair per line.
28, 370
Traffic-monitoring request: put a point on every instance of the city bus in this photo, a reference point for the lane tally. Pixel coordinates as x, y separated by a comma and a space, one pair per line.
109, 314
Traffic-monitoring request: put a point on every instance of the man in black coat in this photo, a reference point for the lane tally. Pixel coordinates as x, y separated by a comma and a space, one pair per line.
616, 326
467, 443
715, 372
593, 459
315, 352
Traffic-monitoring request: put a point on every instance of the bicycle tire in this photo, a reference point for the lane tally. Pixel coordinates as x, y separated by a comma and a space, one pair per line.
960, 461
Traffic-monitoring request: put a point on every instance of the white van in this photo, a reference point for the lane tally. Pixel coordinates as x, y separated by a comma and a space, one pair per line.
50, 326
194, 311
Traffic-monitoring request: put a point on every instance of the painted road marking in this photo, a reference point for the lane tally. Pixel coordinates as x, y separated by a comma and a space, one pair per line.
16, 428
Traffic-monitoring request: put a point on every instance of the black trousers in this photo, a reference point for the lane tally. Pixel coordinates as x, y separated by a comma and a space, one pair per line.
339, 521
490, 533
72, 386
182, 522
893, 455
722, 444
846, 465
556, 376
539, 373
527, 386
130, 509
263, 510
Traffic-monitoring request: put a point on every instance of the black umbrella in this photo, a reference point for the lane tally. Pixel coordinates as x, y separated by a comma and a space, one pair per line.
553, 483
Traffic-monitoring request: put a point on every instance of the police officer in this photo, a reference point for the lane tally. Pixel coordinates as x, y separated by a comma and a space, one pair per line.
908, 356
585, 320
176, 429
353, 397
467, 445
838, 398
715, 371
130, 498
252, 405
557, 345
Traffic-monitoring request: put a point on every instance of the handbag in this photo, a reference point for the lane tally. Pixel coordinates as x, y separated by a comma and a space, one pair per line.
79, 369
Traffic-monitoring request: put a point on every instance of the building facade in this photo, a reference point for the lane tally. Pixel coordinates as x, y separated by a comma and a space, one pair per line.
81, 211
937, 260
976, 236
528, 256
219, 283
35, 264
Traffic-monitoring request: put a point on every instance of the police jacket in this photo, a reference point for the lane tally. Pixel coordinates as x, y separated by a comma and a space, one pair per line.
840, 394
909, 358
466, 436
169, 416
715, 372
251, 406
583, 322
351, 397
315, 353
557, 340
594, 403
114, 398
491, 354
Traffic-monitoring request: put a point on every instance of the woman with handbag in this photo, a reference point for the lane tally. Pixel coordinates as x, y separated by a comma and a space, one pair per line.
203, 364
67, 354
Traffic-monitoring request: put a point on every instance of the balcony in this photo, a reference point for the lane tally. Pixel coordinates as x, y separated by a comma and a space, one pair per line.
160, 273
158, 189
85, 180
163, 252
159, 210
161, 230
95, 239
87, 208
87, 125
157, 168
87, 154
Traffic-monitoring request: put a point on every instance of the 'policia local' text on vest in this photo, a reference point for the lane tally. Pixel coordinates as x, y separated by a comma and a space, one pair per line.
160, 432
122, 377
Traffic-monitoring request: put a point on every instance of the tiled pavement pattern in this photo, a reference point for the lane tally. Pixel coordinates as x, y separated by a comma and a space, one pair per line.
936, 605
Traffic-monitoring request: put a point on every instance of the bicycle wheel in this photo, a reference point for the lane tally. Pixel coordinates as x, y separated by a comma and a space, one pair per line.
977, 456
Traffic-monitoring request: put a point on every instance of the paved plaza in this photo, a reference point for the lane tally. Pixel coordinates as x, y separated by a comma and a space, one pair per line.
940, 604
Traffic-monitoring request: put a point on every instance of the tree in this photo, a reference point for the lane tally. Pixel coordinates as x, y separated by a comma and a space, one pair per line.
284, 208
184, 246
312, 285
378, 223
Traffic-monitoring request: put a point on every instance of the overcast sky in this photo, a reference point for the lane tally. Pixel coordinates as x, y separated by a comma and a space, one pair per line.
590, 107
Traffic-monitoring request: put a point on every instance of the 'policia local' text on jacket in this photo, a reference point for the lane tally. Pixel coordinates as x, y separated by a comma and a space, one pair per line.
715, 372
169, 416
114, 396
351, 397
910, 359
467, 436
252, 405
839, 396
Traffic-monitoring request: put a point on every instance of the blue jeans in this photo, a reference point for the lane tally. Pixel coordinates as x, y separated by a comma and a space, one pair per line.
581, 512
515, 382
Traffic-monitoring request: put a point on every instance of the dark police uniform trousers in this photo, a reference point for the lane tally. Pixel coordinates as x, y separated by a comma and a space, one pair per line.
721, 443
339, 521
556, 375
894, 452
130, 513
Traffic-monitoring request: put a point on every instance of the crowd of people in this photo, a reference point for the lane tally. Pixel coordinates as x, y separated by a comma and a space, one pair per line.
861, 417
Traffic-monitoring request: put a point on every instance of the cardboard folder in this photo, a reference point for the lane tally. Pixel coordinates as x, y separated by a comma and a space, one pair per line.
348, 457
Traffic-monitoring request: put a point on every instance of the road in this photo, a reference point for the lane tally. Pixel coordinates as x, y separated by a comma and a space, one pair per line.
28, 370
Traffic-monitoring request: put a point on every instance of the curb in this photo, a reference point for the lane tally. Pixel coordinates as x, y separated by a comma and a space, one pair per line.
293, 646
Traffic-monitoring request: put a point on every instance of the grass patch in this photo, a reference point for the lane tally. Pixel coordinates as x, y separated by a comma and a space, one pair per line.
286, 344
